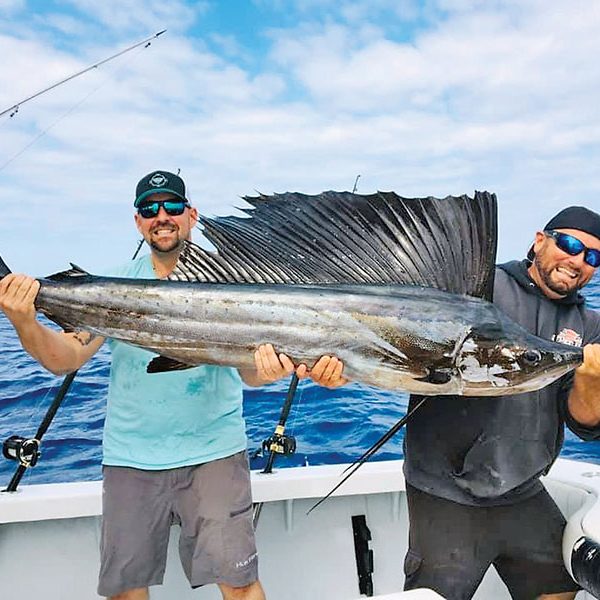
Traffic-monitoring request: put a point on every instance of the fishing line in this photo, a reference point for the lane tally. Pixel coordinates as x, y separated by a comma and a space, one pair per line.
42, 133
127, 62
69, 111
6, 116
300, 393
37, 405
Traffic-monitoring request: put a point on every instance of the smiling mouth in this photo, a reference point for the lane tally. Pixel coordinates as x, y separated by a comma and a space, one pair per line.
160, 231
570, 273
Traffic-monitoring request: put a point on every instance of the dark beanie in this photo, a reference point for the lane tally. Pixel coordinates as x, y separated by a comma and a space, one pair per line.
573, 217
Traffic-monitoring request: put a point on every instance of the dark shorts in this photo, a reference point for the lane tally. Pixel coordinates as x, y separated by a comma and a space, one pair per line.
211, 502
452, 545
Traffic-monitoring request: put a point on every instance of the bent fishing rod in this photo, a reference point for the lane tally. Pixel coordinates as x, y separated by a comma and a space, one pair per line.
26, 451
14, 109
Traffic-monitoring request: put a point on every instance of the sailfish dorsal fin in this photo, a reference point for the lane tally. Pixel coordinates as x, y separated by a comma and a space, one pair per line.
339, 237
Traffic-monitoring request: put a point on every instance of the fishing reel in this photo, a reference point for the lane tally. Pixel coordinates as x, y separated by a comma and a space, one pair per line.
25, 451
280, 444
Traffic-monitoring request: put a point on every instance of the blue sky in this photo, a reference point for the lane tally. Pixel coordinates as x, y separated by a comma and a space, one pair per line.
424, 98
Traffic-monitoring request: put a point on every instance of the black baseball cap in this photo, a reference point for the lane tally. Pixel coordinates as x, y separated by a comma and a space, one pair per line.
573, 217
159, 181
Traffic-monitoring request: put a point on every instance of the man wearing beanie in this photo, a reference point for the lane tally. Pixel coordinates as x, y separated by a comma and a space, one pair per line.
472, 465
174, 444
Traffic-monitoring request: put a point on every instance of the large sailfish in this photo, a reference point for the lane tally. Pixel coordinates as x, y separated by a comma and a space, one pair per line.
397, 288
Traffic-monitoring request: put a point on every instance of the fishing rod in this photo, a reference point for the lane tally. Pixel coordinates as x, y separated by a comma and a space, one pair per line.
26, 451
374, 448
14, 109
278, 443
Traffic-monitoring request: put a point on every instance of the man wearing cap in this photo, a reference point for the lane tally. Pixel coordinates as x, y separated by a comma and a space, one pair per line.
174, 444
472, 465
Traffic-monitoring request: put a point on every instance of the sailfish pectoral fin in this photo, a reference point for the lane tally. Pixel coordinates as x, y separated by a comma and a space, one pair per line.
384, 365
164, 364
382, 340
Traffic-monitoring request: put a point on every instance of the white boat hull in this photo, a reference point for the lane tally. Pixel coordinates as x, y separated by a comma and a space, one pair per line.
49, 535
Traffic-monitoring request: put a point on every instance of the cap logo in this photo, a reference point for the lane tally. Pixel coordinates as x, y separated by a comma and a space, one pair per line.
158, 180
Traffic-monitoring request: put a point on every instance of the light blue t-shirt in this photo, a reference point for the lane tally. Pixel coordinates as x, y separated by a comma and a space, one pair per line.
168, 420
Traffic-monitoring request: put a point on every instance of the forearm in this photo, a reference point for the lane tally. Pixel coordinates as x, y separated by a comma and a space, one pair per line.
56, 351
584, 400
252, 378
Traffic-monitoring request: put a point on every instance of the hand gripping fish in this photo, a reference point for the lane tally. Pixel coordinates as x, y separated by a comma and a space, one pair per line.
399, 289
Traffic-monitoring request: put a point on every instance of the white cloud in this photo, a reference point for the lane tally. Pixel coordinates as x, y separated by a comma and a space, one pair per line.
8, 6
483, 98
67, 25
476, 62
140, 15
228, 44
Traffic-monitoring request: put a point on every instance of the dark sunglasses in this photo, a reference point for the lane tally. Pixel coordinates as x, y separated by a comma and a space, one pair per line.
571, 245
173, 208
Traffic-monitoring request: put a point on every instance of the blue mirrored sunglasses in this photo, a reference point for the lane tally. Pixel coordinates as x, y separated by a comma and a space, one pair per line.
172, 207
571, 245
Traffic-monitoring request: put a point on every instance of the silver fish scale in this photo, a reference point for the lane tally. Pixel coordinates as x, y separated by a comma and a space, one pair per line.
210, 323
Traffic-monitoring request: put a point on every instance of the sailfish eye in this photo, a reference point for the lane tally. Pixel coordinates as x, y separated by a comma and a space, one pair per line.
532, 357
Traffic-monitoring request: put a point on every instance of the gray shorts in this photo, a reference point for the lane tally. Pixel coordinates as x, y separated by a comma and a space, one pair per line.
211, 502
451, 546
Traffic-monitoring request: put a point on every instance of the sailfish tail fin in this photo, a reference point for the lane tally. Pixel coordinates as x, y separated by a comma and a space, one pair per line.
4, 270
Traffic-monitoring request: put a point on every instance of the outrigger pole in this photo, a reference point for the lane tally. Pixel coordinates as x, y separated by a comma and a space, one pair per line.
14, 109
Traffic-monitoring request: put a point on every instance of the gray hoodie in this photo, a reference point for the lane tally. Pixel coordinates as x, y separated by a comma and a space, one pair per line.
491, 451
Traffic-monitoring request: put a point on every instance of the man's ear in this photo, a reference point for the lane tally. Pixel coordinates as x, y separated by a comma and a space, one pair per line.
539, 239
193, 216
137, 219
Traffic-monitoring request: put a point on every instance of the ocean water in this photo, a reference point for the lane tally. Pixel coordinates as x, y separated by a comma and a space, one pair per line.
330, 426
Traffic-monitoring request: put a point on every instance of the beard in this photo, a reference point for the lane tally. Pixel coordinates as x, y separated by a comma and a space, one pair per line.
165, 246
546, 268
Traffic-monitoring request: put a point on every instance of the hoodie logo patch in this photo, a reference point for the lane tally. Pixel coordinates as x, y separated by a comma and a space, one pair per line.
569, 337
